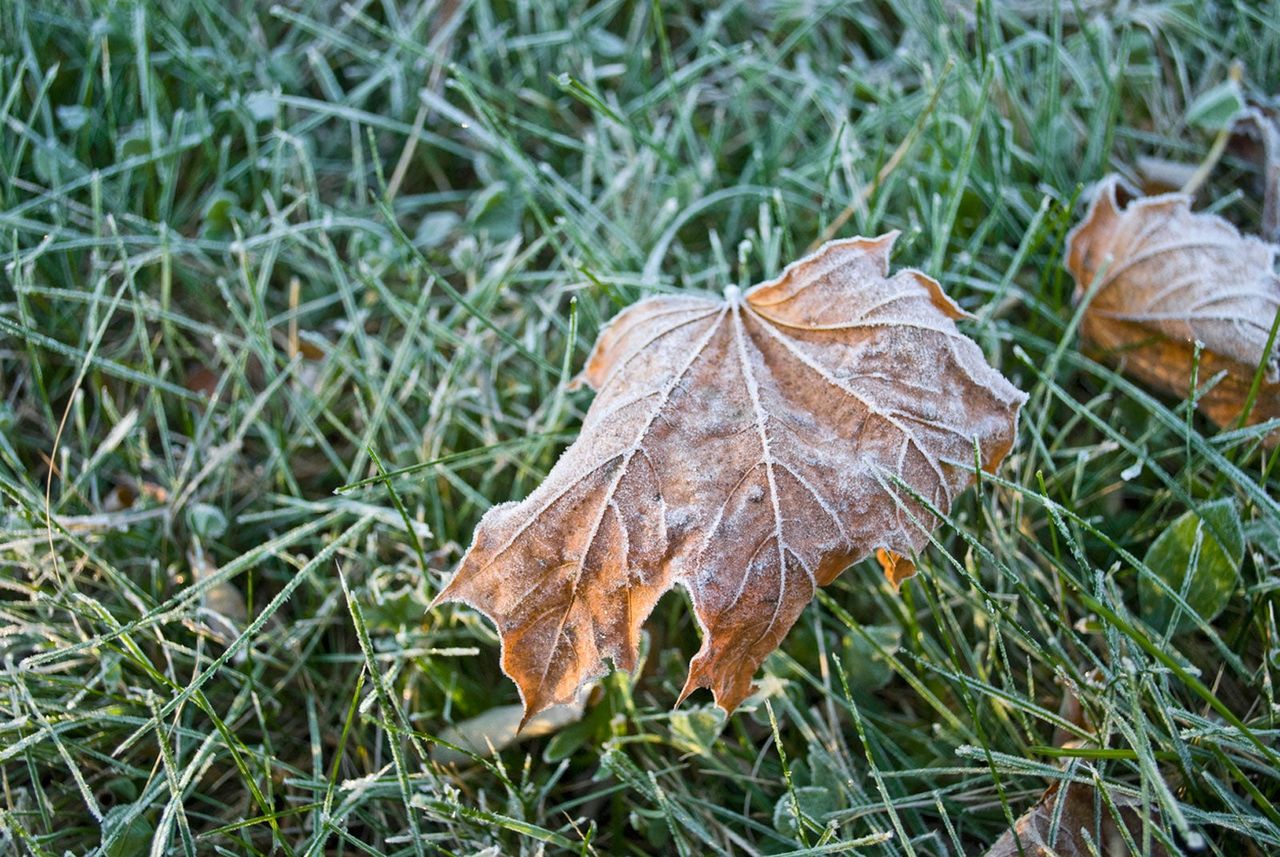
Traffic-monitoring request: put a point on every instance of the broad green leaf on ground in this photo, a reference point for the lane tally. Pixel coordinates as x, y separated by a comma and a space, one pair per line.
747, 448
696, 731
814, 801
866, 656
132, 832
1199, 557
1161, 279
814, 791
1214, 109
1073, 820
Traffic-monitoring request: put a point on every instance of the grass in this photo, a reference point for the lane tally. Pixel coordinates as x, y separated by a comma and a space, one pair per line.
254, 254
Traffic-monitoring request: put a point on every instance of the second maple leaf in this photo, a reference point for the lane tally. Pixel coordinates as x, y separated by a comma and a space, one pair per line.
748, 449
1162, 278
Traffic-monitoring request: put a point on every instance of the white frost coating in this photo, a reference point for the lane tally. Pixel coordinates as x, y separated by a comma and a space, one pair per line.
1185, 275
735, 449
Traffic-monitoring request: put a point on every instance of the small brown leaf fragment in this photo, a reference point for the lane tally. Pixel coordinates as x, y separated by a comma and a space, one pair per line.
1164, 278
748, 449
897, 567
1080, 811
119, 498
1071, 710
201, 379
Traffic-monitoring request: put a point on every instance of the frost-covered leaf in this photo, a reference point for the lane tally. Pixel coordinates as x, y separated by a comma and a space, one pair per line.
494, 730
1256, 137
748, 449
498, 210
206, 521
1164, 278
128, 831
814, 801
262, 105
1199, 557
865, 660
72, 117
696, 731
1215, 108
1075, 821
434, 229
222, 613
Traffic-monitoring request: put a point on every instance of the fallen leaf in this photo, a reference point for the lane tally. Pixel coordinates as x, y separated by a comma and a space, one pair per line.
749, 450
1085, 826
1256, 135
1071, 710
494, 730
1167, 278
222, 612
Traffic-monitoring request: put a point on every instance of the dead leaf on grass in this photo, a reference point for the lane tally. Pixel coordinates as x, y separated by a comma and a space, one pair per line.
500, 727
1085, 826
1256, 136
748, 449
1164, 278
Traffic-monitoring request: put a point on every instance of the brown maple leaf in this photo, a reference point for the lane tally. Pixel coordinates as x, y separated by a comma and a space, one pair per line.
748, 449
1071, 820
1164, 278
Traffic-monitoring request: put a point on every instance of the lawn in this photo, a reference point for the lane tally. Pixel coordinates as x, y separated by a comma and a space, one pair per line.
292, 294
